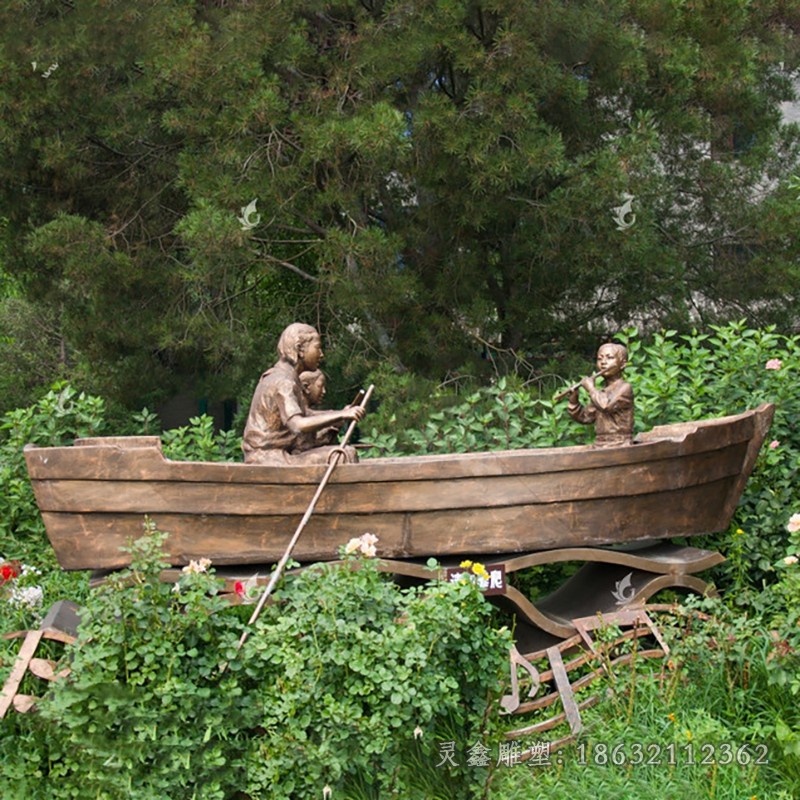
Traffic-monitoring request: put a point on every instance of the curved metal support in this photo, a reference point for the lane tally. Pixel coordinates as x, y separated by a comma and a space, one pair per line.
610, 580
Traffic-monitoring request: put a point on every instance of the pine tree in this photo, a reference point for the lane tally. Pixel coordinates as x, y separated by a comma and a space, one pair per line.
425, 180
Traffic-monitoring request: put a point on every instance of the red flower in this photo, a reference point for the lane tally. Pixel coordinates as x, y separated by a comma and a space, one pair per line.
9, 570
238, 587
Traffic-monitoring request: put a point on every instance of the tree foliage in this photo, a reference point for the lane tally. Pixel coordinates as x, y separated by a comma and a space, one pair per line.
434, 179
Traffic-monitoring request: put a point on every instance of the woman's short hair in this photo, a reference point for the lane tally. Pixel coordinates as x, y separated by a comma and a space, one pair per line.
293, 339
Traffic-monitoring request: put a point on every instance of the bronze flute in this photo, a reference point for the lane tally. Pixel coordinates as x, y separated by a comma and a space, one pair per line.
575, 386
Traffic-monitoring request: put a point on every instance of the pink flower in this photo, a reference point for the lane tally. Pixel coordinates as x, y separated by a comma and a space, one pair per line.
773, 363
774, 444
794, 523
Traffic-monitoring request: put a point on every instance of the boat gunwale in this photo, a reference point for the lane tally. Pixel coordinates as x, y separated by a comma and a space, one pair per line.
653, 447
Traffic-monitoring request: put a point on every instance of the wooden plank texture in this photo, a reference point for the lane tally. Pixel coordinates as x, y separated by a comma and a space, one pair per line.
152, 497
26, 651
97, 461
94, 541
684, 479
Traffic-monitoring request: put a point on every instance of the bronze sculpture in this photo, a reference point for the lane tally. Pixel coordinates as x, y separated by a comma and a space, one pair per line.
314, 385
610, 409
280, 422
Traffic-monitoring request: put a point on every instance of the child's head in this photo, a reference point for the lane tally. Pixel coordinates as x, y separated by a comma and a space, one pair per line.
611, 358
313, 386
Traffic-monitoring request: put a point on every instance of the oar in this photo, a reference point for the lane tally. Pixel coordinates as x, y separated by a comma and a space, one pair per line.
303, 522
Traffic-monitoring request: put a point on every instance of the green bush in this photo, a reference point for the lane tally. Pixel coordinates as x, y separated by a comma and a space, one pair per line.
198, 441
727, 371
63, 415
60, 416
360, 681
145, 711
346, 681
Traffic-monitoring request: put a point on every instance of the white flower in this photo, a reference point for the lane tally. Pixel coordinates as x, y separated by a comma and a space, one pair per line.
418, 732
352, 546
28, 596
789, 560
794, 523
197, 566
364, 544
367, 546
326, 792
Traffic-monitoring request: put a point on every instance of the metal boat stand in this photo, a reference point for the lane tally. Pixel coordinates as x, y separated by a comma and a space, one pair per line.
555, 675
610, 579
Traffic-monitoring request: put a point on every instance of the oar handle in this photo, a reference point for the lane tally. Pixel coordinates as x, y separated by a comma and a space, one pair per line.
364, 397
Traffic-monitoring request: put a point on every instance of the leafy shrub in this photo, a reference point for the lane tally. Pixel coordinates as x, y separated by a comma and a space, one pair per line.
63, 415
146, 711
727, 371
56, 419
352, 670
198, 441
728, 675
337, 681
502, 416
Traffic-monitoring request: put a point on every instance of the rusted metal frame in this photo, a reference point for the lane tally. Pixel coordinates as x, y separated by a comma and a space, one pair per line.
558, 673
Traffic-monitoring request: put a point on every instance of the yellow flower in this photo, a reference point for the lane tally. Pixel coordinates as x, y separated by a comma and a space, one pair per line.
480, 570
671, 717
465, 564
688, 736
739, 532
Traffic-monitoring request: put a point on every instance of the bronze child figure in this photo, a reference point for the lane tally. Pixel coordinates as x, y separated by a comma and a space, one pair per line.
610, 409
280, 421
314, 385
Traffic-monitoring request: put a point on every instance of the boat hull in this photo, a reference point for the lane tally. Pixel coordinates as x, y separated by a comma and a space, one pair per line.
676, 480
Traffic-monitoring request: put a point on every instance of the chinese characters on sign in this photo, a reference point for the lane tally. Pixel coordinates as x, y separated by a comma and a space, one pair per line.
490, 581
604, 754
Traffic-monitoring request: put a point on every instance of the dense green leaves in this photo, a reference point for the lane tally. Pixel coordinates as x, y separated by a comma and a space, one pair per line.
346, 681
434, 180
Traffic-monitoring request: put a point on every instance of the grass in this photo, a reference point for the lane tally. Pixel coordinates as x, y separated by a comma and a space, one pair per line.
699, 724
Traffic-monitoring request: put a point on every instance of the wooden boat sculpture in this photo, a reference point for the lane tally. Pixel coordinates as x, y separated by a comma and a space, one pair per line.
675, 480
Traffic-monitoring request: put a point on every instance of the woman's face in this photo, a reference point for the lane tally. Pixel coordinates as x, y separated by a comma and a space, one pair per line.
311, 353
